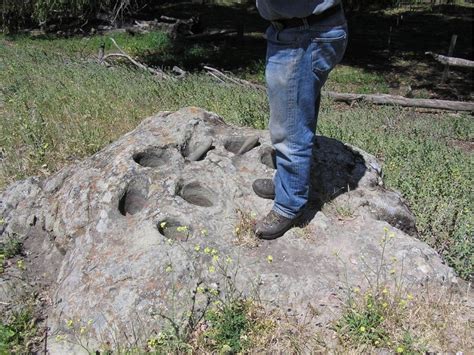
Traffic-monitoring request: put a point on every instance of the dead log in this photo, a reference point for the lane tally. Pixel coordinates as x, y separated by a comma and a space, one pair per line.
379, 99
384, 99
452, 61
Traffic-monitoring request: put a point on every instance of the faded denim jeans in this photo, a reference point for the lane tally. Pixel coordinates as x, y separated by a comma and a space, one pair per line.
298, 62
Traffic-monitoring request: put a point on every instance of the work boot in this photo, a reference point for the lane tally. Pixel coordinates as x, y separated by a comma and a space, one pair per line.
264, 188
273, 225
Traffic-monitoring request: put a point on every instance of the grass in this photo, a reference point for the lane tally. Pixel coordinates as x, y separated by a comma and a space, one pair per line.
349, 79
244, 230
385, 318
390, 315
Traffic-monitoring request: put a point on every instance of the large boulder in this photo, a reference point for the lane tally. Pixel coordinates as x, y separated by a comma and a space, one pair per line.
168, 209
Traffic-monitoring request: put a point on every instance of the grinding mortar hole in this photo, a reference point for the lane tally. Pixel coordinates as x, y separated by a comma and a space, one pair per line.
198, 150
196, 194
241, 145
268, 157
175, 230
134, 198
152, 157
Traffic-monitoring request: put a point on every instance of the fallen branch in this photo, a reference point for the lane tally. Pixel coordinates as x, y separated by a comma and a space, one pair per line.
380, 99
211, 35
122, 54
228, 78
383, 99
180, 72
452, 61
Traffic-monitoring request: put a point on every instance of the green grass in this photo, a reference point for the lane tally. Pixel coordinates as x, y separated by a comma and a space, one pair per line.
58, 105
349, 79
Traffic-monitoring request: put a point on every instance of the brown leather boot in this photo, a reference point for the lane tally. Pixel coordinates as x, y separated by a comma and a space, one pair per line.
264, 188
274, 225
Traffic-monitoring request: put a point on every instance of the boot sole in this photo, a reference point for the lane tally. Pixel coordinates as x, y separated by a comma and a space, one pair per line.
275, 235
268, 197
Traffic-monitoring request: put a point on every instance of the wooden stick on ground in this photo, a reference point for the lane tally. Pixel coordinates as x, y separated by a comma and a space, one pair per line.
378, 99
383, 99
452, 61
122, 54
225, 77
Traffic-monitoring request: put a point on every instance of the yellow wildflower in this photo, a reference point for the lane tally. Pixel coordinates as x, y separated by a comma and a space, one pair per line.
182, 229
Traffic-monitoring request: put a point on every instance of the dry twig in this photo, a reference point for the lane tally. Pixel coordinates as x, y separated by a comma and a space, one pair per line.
122, 54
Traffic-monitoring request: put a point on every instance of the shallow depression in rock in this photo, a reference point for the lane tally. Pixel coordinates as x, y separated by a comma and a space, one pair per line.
152, 157
268, 157
134, 197
198, 150
196, 194
241, 145
174, 229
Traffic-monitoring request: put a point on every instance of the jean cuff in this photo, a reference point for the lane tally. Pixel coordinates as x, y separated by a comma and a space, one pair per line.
281, 213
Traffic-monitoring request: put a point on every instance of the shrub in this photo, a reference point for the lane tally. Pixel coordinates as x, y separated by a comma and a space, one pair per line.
16, 14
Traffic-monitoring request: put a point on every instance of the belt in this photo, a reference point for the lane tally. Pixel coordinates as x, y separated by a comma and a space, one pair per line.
306, 21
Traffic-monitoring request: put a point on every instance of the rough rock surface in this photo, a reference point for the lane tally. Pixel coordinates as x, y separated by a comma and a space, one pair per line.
122, 236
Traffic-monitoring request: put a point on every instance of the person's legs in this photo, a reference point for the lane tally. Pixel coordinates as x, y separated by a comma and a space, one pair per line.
298, 62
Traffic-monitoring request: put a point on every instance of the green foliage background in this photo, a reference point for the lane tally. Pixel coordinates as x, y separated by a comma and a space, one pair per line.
16, 14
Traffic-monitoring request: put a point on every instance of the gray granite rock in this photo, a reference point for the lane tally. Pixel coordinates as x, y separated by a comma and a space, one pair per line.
131, 232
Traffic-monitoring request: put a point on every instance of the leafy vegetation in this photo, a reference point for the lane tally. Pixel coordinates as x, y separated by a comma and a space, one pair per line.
17, 331
389, 316
229, 323
9, 248
16, 14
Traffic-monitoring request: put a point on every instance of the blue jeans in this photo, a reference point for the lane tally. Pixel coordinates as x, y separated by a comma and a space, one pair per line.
299, 60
